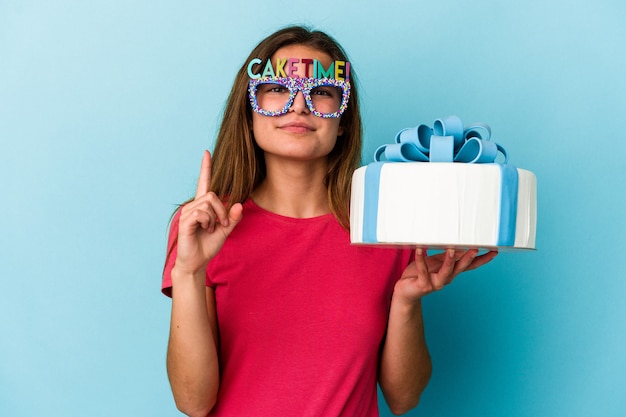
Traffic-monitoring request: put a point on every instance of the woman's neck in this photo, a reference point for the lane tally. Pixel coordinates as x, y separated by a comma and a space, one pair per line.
294, 189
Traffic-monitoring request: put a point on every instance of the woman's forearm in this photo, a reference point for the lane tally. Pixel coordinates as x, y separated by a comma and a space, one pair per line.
192, 360
405, 366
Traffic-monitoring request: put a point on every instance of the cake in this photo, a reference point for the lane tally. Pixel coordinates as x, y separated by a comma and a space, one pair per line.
441, 188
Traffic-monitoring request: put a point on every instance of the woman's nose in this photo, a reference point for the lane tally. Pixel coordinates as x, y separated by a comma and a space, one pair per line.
299, 104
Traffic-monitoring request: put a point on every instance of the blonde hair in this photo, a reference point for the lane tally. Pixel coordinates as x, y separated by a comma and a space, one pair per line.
238, 164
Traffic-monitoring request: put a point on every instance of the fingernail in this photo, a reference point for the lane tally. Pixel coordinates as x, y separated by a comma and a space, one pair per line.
419, 251
451, 253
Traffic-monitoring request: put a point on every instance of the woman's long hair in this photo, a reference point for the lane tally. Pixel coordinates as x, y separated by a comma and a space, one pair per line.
238, 164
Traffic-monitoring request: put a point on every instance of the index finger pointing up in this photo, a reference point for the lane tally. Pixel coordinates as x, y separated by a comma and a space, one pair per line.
204, 180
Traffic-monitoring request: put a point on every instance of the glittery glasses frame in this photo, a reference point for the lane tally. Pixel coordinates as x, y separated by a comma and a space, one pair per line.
300, 84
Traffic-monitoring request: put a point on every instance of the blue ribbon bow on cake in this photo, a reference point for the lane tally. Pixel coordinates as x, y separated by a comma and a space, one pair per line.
446, 141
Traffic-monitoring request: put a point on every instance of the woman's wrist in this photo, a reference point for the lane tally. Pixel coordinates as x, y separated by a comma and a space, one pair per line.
406, 307
181, 276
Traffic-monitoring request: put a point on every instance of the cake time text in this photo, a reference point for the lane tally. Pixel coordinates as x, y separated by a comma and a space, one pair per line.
286, 67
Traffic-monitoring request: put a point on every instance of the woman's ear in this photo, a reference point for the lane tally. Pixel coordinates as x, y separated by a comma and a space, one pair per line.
340, 130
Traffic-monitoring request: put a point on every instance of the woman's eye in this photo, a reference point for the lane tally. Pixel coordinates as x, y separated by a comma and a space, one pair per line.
274, 88
322, 91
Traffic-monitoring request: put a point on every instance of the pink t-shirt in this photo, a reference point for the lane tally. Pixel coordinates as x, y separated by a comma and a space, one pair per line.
301, 315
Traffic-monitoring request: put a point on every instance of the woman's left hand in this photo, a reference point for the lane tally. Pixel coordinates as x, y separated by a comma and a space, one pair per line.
431, 273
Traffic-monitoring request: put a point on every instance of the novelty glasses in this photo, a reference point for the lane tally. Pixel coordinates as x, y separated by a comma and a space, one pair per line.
325, 97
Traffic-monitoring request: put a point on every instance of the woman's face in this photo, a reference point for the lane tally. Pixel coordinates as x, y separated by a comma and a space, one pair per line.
297, 134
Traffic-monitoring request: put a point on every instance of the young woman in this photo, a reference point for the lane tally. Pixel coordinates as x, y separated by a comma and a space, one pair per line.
274, 313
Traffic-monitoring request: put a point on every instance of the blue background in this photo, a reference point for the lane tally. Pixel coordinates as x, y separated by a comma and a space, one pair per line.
106, 107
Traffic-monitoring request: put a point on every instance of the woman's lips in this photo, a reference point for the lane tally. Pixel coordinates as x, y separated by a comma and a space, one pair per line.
297, 127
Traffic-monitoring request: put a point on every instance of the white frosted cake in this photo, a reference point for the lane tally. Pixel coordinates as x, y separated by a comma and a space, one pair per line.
444, 205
